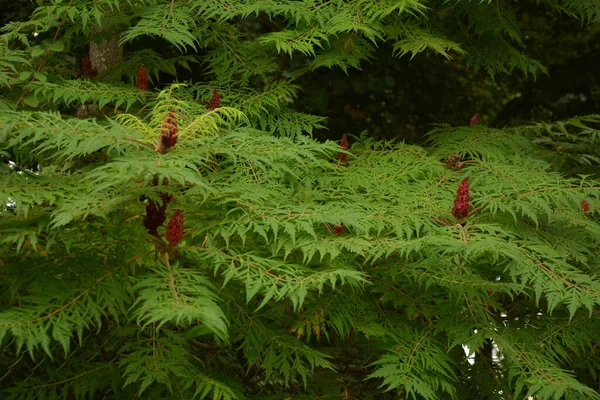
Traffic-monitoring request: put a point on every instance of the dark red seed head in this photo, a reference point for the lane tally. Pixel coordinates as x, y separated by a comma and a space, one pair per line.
175, 228
169, 130
215, 100
154, 218
343, 157
344, 143
156, 215
142, 78
461, 204
338, 229
585, 206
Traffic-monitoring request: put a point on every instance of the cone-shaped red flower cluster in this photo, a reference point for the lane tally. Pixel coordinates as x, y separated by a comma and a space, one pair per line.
175, 228
585, 206
474, 120
87, 69
215, 100
461, 204
169, 131
142, 78
155, 216
338, 229
343, 157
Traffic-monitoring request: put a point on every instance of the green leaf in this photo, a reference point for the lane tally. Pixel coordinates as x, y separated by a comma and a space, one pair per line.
37, 51
40, 76
57, 46
25, 75
31, 100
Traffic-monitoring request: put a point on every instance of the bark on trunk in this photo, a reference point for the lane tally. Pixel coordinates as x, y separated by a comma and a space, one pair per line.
103, 55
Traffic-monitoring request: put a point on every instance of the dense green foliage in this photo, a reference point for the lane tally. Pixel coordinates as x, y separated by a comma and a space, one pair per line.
306, 269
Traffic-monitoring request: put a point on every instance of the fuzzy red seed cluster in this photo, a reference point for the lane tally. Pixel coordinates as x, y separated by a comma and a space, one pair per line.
461, 204
142, 78
175, 228
215, 100
156, 215
338, 229
87, 69
343, 157
474, 120
585, 206
169, 131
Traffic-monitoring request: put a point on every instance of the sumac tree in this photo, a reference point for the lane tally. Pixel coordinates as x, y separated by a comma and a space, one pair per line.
170, 229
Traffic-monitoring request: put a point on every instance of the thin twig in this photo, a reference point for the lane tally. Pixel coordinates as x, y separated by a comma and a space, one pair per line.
253, 171
172, 278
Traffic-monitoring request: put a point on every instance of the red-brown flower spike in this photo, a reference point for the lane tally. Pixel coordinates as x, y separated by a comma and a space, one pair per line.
215, 100
155, 216
344, 143
169, 131
142, 78
338, 229
175, 228
474, 120
343, 157
461, 204
87, 69
585, 206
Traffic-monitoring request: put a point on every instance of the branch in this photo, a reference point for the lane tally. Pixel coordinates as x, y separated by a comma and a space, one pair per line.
172, 278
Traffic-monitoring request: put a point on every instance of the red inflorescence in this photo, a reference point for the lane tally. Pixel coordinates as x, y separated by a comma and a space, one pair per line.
474, 120
175, 228
87, 69
585, 206
169, 130
155, 216
215, 100
338, 229
343, 157
142, 78
461, 204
